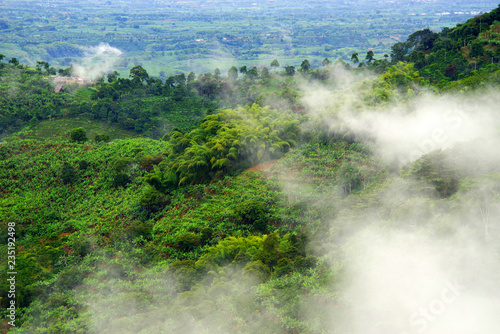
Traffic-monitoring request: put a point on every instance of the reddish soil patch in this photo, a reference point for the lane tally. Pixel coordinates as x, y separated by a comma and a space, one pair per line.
265, 166
269, 172
67, 249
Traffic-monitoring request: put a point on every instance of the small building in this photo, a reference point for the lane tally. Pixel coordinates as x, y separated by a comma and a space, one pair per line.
58, 87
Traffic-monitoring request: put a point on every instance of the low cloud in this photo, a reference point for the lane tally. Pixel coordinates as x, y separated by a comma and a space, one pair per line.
411, 282
403, 131
97, 61
413, 264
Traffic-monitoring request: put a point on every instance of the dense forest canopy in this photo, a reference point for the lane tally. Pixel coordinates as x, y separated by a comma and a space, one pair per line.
333, 196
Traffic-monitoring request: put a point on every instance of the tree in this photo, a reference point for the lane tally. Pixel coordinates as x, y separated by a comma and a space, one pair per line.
476, 50
68, 279
418, 57
243, 69
2, 57
66, 72
78, 135
107, 91
349, 177
222, 141
326, 62
138, 73
265, 73
113, 76
253, 73
369, 57
180, 80
14, 61
401, 76
399, 51
422, 39
275, 64
305, 66
191, 77
490, 54
354, 58
290, 70
232, 74
40, 64
217, 73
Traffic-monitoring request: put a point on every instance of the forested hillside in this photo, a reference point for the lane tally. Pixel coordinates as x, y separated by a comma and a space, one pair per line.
356, 197
458, 50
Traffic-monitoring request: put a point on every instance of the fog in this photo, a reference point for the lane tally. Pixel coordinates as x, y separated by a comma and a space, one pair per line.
402, 131
97, 61
413, 282
415, 264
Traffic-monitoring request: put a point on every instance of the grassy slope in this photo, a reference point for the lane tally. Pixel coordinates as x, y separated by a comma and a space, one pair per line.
59, 129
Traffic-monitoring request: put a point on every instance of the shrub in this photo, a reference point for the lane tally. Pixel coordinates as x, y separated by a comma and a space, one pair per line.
251, 210
436, 169
80, 248
103, 137
68, 278
78, 135
153, 201
52, 216
187, 273
206, 235
83, 165
116, 270
57, 299
137, 229
187, 241
68, 174
147, 162
121, 180
34, 121
257, 269
121, 164
350, 177
254, 212
3, 152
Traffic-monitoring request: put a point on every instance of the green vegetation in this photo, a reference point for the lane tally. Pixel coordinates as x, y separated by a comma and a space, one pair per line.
223, 142
167, 39
25, 96
450, 54
58, 129
232, 203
